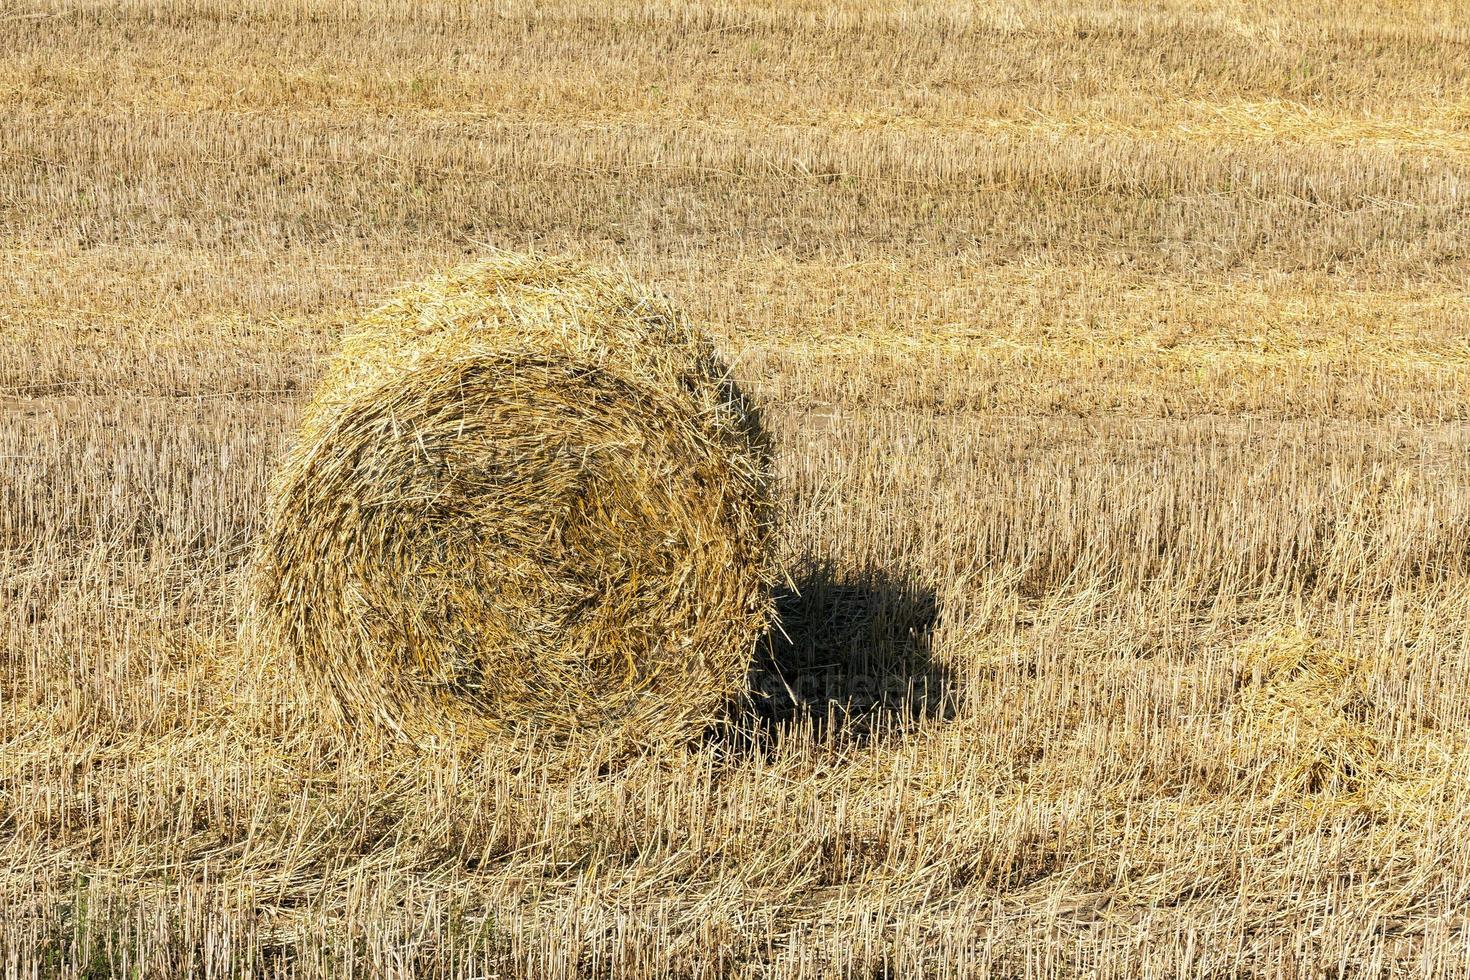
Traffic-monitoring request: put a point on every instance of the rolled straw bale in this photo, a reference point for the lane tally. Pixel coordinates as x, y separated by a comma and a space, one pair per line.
526, 493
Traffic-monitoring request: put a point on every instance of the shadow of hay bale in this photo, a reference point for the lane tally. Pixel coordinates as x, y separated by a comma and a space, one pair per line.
850, 656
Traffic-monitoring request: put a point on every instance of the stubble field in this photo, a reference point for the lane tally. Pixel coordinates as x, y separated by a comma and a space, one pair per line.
1117, 355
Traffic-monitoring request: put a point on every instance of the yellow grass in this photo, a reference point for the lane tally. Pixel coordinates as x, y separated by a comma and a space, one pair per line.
1117, 362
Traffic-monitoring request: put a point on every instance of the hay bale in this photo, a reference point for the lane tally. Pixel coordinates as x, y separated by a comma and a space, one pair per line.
526, 493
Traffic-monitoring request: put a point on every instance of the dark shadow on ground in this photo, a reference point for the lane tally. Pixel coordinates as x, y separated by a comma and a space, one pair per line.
850, 657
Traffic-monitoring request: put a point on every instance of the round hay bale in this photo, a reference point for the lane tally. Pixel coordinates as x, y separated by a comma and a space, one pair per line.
526, 493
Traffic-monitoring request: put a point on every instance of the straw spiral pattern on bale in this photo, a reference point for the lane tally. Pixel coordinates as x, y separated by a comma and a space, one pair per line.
525, 493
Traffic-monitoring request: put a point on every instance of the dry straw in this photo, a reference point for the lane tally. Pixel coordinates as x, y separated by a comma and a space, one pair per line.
527, 493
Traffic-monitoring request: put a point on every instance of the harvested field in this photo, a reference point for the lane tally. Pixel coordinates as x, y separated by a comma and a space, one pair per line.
1116, 365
